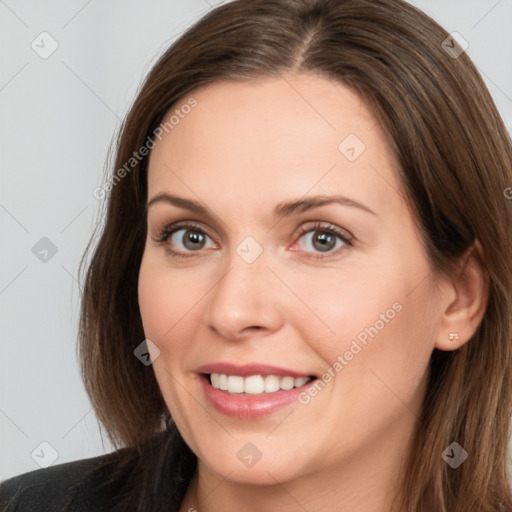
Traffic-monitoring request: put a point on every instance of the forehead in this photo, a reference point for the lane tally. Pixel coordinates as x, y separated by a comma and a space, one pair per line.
273, 136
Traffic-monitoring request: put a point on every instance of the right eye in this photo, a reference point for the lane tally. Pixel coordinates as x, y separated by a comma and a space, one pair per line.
185, 237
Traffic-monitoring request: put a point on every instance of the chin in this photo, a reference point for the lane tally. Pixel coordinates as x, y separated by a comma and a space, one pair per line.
258, 463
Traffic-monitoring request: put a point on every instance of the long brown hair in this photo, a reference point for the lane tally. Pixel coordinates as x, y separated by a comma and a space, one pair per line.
455, 160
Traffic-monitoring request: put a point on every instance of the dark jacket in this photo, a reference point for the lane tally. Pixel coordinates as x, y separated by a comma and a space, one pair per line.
73, 486
151, 479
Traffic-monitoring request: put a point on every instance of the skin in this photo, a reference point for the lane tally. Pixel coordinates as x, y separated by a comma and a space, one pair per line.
245, 148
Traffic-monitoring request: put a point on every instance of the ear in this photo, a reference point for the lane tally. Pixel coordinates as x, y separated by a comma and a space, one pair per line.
465, 302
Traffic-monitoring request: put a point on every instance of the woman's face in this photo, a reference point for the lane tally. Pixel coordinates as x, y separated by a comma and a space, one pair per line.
277, 281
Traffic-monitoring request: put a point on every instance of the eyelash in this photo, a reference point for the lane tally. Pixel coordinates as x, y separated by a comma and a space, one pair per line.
168, 231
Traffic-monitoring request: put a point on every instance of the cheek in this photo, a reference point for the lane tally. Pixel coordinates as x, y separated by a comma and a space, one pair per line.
376, 321
377, 360
346, 304
166, 308
165, 303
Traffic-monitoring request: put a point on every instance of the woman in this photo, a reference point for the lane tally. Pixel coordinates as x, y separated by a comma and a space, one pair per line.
301, 295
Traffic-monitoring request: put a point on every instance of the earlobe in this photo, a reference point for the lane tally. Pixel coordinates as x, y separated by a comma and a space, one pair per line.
463, 314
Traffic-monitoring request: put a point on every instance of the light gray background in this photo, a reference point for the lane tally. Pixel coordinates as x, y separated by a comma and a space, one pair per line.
57, 119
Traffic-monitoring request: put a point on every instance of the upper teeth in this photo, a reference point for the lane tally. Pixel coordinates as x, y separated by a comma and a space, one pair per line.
255, 384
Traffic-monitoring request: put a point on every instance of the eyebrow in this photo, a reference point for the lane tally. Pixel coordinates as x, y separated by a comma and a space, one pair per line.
283, 209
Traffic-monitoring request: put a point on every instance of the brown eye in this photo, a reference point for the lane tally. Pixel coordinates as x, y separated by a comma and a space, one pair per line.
184, 239
323, 241
191, 240
326, 239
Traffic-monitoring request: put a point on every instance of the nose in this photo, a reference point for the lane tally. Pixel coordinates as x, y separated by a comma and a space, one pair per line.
245, 300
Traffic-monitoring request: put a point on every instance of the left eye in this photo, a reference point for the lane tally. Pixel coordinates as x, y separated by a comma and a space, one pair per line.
322, 241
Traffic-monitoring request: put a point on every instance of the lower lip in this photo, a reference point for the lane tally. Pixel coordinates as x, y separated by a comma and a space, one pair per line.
250, 406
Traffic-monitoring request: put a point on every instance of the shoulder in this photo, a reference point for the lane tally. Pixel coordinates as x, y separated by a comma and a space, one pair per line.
74, 486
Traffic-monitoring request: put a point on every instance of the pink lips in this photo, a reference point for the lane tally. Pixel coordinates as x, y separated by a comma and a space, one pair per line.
248, 369
244, 405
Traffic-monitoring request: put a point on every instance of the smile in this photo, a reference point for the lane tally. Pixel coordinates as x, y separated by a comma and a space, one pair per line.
255, 384
253, 390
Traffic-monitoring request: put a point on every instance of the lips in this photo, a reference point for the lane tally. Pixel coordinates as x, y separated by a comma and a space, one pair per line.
253, 390
250, 369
